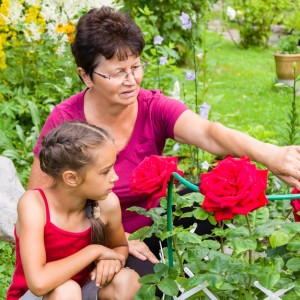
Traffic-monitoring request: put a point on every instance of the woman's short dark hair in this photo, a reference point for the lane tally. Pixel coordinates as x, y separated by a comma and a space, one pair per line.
105, 32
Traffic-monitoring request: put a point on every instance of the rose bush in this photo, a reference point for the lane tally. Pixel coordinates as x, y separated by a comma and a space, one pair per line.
296, 206
152, 175
234, 186
249, 257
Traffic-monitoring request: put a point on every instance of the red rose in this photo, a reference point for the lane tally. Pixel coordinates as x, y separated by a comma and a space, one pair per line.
234, 186
152, 175
296, 205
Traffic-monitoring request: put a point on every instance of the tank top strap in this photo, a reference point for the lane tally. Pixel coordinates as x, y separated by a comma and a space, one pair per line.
46, 204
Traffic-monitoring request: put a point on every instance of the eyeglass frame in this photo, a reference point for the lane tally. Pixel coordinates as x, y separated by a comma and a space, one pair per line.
144, 65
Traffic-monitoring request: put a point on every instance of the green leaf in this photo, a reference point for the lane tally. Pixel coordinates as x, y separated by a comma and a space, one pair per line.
268, 278
291, 228
240, 245
279, 238
294, 264
149, 278
294, 244
189, 237
219, 265
144, 232
168, 286
146, 292
161, 269
200, 214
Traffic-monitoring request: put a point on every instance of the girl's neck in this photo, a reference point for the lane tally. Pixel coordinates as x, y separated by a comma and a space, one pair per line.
67, 210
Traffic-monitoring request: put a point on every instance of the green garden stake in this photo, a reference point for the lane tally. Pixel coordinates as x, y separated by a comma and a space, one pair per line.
195, 188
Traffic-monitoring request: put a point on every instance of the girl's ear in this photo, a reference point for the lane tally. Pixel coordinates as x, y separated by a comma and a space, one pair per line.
71, 178
85, 77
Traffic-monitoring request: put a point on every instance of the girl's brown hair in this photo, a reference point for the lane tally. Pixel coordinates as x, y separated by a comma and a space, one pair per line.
70, 147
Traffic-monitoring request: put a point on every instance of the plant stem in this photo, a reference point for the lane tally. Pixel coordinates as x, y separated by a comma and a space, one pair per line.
178, 257
289, 212
250, 232
221, 224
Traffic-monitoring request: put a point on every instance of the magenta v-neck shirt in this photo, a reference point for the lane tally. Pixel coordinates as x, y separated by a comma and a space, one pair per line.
156, 118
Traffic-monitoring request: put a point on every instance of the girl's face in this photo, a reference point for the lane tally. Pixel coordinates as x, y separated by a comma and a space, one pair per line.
117, 82
100, 177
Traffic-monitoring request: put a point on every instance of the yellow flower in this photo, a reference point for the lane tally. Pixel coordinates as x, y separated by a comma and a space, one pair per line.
4, 12
33, 15
68, 29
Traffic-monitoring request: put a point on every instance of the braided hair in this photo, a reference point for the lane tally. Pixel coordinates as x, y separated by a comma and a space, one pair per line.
70, 147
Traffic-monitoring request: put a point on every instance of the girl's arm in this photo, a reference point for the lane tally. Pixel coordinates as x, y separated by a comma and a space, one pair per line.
110, 211
42, 277
215, 138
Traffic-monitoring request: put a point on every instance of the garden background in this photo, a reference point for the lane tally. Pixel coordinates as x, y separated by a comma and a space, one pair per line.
225, 77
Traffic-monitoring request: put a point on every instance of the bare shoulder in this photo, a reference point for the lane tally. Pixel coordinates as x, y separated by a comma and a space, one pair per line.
110, 210
31, 207
30, 198
110, 204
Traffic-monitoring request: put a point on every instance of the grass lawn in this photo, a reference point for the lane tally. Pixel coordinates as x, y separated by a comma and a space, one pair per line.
249, 102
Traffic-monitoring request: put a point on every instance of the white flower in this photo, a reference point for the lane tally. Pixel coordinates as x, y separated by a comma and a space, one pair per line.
32, 32
231, 13
200, 55
205, 165
176, 91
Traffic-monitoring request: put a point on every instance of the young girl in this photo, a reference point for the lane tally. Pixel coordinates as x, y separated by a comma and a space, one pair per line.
61, 234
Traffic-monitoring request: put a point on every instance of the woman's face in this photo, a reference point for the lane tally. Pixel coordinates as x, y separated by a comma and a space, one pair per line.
117, 82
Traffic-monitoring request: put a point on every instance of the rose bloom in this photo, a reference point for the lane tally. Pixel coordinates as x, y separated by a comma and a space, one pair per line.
152, 175
234, 186
296, 205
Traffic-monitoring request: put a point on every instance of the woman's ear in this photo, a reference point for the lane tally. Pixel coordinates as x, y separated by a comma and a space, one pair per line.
85, 77
71, 178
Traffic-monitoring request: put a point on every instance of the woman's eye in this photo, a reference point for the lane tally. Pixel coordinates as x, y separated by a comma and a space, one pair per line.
119, 74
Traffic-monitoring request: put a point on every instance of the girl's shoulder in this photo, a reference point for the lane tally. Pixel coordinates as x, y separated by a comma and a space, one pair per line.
31, 203
109, 207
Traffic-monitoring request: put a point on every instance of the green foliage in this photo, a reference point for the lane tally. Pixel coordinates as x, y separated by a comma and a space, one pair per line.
7, 266
36, 79
255, 17
167, 13
230, 259
288, 44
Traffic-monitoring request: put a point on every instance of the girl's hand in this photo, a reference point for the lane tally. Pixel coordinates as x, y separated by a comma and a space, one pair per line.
140, 250
105, 271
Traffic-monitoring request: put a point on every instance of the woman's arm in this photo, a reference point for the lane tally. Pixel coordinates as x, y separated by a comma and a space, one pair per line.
37, 178
215, 138
42, 277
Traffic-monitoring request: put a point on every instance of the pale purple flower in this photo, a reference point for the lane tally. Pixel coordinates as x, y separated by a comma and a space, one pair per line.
204, 110
190, 76
231, 13
163, 60
176, 147
158, 40
185, 20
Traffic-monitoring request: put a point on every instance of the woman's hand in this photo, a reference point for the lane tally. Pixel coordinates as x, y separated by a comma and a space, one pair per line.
105, 271
140, 250
284, 162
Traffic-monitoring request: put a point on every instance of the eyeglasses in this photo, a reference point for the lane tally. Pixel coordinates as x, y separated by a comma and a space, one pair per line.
121, 76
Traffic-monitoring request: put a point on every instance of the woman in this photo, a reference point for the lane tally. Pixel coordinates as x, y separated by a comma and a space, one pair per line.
107, 50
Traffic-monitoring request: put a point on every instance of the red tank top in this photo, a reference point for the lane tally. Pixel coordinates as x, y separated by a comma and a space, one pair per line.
58, 244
